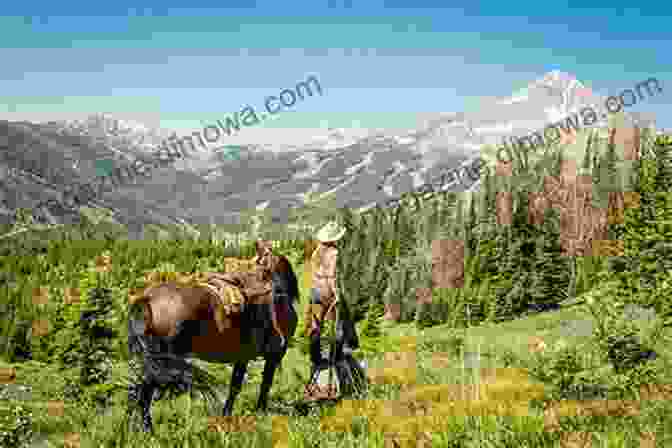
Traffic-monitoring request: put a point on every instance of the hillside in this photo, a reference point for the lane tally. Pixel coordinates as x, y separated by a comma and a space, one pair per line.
531, 348
358, 170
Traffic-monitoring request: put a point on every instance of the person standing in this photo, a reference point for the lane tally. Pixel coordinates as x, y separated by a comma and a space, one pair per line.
323, 292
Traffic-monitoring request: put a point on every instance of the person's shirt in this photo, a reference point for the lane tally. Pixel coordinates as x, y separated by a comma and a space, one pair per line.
323, 263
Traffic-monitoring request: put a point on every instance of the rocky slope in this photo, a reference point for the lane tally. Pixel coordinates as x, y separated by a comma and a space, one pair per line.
360, 170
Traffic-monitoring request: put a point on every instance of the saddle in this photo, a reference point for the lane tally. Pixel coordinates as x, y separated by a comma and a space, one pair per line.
233, 291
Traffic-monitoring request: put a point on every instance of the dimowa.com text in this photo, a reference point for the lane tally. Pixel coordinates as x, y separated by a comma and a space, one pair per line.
447, 179
77, 195
176, 148
589, 116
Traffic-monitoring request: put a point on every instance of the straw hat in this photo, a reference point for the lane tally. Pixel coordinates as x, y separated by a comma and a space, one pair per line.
331, 232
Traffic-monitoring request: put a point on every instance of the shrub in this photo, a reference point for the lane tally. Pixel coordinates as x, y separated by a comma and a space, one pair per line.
15, 424
371, 332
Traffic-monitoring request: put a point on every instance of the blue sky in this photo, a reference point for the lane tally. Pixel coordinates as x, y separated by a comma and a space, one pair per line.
380, 63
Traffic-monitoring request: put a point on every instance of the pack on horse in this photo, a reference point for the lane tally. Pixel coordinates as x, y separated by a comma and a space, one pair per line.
193, 321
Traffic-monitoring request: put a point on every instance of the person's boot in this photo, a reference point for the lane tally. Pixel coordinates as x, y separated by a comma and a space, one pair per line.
316, 357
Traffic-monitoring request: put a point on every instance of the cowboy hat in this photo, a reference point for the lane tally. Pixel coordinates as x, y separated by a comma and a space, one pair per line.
330, 232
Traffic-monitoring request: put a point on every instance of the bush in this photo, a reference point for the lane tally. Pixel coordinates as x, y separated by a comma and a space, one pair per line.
371, 333
614, 361
15, 424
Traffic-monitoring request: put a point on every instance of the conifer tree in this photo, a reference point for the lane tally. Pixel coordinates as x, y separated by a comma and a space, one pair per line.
663, 152
647, 232
550, 267
371, 330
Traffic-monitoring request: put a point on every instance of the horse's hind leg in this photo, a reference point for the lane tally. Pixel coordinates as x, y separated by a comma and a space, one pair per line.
270, 365
133, 403
236, 385
146, 397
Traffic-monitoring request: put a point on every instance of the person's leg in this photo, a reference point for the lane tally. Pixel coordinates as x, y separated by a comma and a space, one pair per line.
315, 349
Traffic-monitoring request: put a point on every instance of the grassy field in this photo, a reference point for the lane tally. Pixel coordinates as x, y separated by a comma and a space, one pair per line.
438, 387
573, 377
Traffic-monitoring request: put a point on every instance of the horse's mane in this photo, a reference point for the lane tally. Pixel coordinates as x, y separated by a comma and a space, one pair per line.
284, 266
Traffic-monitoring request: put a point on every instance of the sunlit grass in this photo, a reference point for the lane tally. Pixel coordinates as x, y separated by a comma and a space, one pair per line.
421, 395
442, 403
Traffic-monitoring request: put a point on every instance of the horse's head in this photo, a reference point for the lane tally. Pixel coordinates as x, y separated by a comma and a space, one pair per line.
265, 258
276, 267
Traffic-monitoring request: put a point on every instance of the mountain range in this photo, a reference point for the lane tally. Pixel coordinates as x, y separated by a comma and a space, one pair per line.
39, 160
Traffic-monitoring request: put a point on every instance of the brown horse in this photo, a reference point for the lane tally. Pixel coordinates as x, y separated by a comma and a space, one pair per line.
179, 323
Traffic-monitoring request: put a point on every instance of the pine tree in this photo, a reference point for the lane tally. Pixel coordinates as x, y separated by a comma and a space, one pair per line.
607, 181
372, 328
663, 152
551, 268
647, 232
470, 226
372, 332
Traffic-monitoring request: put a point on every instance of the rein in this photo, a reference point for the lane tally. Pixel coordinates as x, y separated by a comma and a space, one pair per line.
332, 363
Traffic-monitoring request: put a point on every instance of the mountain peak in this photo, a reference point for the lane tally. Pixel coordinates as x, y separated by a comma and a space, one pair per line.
123, 136
557, 75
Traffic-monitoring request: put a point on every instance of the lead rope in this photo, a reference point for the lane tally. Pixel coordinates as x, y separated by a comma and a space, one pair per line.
332, 354
332, 364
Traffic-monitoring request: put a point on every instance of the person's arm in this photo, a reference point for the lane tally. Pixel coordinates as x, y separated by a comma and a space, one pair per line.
315, 260
330, 269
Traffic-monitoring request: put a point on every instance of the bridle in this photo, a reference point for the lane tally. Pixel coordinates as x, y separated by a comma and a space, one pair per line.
267, 261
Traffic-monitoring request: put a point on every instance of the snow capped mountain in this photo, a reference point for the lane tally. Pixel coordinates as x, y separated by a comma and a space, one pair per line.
123, 137
359, 167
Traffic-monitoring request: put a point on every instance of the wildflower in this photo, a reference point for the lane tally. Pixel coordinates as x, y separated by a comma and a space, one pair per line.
7, 375
55, 408
72, 295
537, 345
647, 439
103, 262
40, 327
40, 296
576, 439
71, 440
232, 424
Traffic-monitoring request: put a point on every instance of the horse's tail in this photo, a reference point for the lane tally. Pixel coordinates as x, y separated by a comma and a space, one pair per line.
159, 364
148, 316
141, 338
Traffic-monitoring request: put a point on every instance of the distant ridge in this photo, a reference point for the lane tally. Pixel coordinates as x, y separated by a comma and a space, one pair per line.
360, 169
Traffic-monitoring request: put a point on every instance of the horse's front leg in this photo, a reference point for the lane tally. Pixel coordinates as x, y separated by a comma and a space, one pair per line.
270, 365
239, 369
